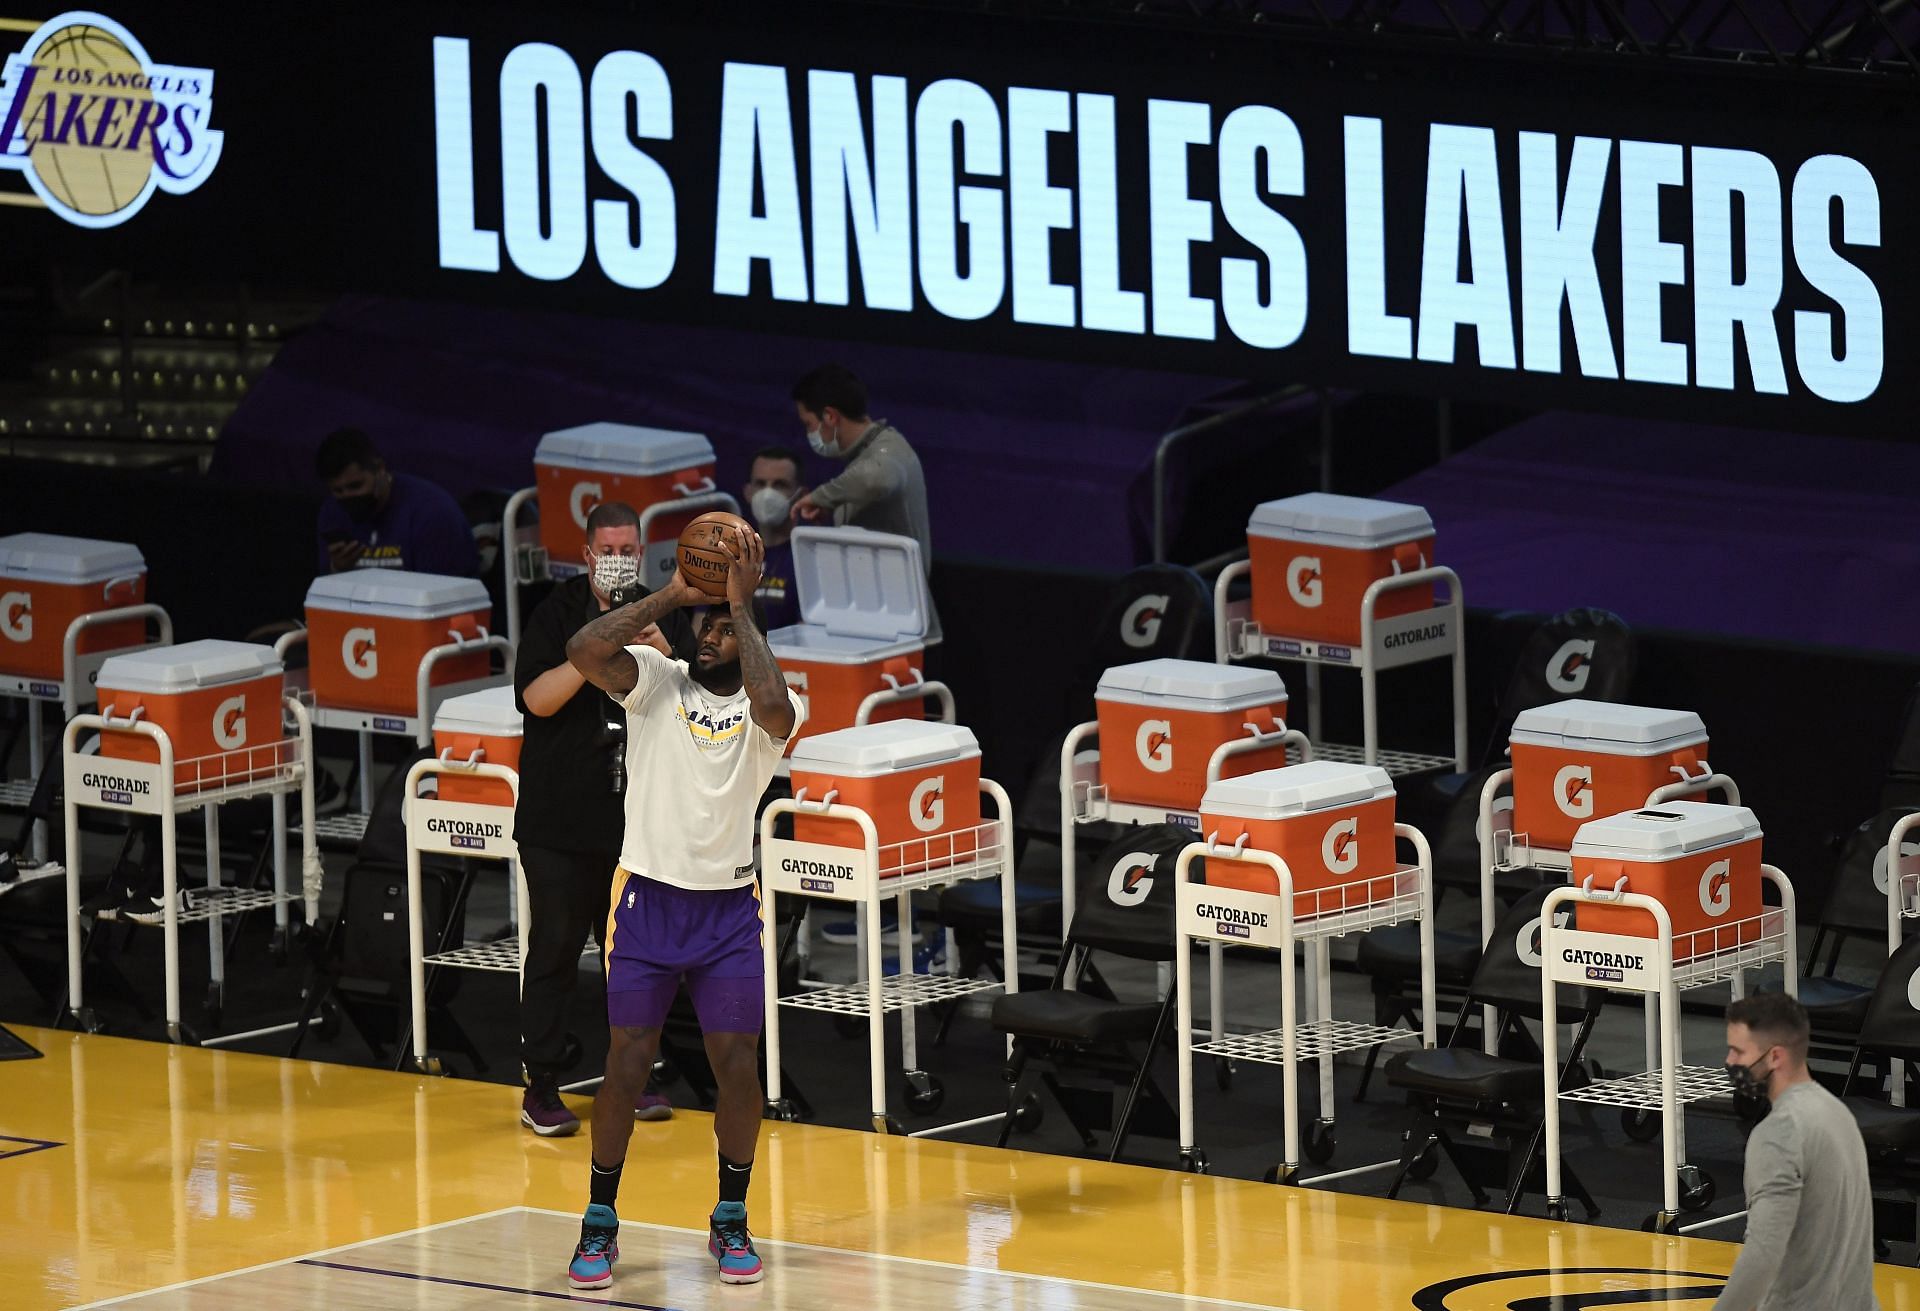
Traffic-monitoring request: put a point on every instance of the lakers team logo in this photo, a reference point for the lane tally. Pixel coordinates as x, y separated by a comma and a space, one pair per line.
96, 125
1573, 1289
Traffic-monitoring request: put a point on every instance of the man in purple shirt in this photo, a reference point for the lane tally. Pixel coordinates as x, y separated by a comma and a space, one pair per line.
376, 519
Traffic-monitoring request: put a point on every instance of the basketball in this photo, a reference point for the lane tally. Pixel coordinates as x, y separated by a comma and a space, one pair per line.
89, 178
703, 555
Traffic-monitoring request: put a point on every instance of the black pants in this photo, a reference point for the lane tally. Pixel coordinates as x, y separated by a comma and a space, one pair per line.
567, 894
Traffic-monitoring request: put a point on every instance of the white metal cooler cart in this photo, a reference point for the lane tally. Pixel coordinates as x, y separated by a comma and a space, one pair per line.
853, 875
1221, 916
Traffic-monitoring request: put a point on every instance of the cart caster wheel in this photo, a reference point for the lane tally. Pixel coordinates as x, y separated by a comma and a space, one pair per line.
1641, 1125
1028, 1114
1320, 1142
886, 1124
1697, 1189
1882, 1249
1660, 1222
1270, 1175
326, 1025
1222, 1073
924, 1093
850, 1026
1193, 1160
430, 1065
781, 1110
277, 947
1424, 1165
664, 1073
1557, 1211
88, 1020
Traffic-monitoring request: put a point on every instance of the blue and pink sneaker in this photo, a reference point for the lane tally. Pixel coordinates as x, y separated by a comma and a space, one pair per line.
732, 1246
592, 1265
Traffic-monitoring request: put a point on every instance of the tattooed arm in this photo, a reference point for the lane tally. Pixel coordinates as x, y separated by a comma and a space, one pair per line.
766, 687
599, 651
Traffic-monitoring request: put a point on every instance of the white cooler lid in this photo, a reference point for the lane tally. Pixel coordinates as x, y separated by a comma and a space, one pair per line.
1350, 521
489, 712
884, 748
397, 594
1609, 728
854, 582
803, 644
623, 448
209, 662
1190, 685
1302, 789
51, 558
1678, 828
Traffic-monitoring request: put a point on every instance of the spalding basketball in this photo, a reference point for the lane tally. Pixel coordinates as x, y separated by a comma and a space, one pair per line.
703, 555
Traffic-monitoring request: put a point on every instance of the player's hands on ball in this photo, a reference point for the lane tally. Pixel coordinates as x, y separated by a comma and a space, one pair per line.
749, 555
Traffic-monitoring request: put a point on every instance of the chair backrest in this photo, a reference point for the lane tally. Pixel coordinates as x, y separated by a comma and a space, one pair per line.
1581, 652
1892, 1023
1902, 785
1508, 977
1156, 611
1857, 896
1124, 902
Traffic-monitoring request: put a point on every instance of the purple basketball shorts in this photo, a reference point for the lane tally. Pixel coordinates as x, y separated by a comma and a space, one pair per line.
659, 934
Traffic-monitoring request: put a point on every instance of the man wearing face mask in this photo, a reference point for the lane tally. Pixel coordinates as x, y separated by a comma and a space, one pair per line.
882, 487
569, 820
773, 484
374, 518
1809, 1206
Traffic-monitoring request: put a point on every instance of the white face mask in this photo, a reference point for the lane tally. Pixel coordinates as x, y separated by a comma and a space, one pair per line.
769, 506
611, 573
821, 446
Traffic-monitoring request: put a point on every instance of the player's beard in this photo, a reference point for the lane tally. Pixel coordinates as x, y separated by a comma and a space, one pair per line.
715, 676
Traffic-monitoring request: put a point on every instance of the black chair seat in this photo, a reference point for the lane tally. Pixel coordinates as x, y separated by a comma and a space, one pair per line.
1393, 954
1886, 1128
1835, 1006
1463, 1073
1059, 1016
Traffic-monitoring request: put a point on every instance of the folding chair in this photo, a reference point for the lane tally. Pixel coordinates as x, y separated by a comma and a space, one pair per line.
1125, 908
1889, 1031
1496, 1100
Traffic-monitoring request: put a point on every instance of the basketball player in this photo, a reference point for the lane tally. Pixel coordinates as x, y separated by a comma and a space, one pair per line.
702, 742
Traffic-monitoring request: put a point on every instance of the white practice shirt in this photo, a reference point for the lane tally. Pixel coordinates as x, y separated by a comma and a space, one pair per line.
696, 766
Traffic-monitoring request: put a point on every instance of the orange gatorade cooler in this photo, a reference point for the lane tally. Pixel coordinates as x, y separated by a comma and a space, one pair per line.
1700, 861
577, 468
919, 782
48, 581
1162, 720
1331, 823
216, 700
369, 629
863, 610
487, 722
1314, 556
1579, 760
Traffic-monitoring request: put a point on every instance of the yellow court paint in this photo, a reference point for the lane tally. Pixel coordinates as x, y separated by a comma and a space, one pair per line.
177, 1164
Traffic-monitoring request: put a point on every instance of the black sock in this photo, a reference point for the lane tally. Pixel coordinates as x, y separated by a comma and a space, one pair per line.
605, 1185
734, 1179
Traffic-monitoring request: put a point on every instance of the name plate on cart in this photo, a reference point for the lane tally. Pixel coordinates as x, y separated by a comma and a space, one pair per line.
1409, 639
1227, 915
129, 785
461, 828
1605, 960
815, 869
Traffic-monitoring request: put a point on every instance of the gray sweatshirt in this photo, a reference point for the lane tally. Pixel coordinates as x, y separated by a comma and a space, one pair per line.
1810, 1211
882, 488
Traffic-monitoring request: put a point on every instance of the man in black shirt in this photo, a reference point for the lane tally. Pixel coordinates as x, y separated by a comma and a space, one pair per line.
569, 821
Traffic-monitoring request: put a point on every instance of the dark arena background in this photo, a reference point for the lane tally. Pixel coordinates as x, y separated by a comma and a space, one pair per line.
1208, 324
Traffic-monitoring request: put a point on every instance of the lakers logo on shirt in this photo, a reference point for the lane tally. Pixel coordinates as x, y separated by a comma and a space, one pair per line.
711, 730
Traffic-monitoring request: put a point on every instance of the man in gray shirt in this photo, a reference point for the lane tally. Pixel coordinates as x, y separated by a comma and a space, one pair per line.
1809, 1208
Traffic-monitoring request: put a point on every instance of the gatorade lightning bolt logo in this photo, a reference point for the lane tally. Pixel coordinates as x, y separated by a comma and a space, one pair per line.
1303, 580
1581, 1288
1140, 625
582, 500
1570, 666
1716, 888
1153, 743
16, 616
927, 807
230, 723
1573, 791
357, 649
1132, 878
1340, 848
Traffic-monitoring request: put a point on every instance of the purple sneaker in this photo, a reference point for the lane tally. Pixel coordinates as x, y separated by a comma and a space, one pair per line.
652, 1106
542, 1111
